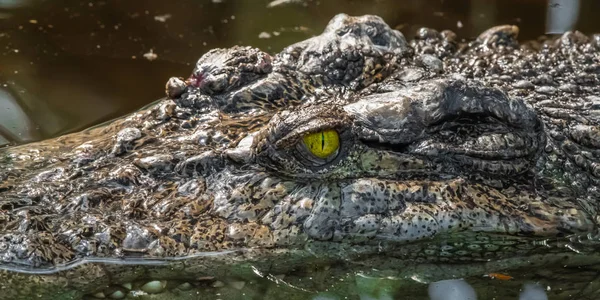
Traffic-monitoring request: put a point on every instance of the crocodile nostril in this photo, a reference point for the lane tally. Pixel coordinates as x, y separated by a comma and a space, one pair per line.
379, 40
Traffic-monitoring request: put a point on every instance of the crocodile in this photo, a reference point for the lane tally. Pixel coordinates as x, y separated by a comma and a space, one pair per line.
352, 152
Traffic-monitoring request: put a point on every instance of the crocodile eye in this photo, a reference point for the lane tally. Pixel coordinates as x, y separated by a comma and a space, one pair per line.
322, 144
305, 143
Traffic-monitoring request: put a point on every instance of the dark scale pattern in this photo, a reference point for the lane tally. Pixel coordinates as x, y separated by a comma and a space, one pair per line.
485, 153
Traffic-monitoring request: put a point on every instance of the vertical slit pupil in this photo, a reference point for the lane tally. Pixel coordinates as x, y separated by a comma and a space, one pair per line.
322, 140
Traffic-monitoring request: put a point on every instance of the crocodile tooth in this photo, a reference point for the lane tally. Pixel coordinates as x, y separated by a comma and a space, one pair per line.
238, 285
185, 286
127, 285
154, 287
99, 295
117, 295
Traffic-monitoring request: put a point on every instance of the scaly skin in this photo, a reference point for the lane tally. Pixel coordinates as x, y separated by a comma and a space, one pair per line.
485, 154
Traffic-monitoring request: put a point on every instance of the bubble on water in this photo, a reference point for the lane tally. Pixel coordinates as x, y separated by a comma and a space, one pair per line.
533, 292
264, 35
453, 289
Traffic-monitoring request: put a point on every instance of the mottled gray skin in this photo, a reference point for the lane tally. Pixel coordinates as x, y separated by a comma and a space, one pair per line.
485, 154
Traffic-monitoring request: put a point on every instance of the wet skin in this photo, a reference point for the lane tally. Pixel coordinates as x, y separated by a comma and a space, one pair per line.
482, 156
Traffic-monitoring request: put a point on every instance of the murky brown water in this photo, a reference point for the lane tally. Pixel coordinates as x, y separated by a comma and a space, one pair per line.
66, 65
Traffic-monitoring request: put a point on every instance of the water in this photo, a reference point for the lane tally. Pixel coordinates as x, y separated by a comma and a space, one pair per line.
67, 65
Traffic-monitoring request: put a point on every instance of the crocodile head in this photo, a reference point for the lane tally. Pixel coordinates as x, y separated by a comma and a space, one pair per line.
353, 148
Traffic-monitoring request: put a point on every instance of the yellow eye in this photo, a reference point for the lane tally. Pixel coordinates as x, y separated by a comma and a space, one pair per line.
322, 144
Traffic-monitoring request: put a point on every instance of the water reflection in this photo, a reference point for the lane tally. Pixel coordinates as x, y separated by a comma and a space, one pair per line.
386, 288
533, 292
16, 125
453, 289
459, 289
562, 16
14, 3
